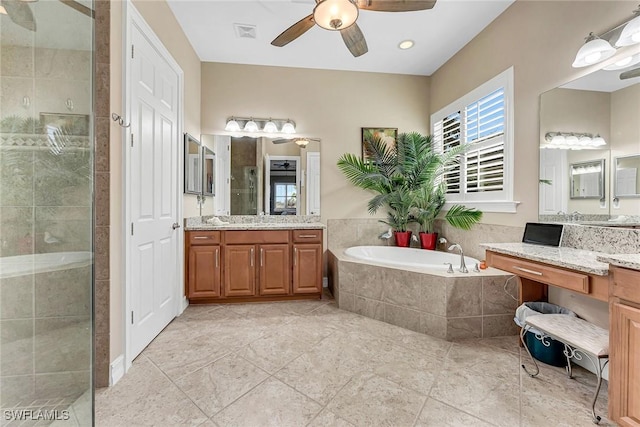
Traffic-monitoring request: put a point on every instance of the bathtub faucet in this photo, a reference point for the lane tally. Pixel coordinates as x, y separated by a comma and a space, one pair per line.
463, 267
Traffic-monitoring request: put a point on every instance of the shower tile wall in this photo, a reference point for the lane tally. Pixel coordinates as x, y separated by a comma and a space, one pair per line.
45, 207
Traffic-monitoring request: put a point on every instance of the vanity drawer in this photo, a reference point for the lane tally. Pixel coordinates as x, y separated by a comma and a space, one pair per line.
203, 237
543, 273
307, 236
243, 237
625, 284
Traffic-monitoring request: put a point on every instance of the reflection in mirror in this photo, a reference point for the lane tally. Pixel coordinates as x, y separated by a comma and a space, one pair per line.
208, 172
248, 168
192, 165
598, 104
587, 180
627, 179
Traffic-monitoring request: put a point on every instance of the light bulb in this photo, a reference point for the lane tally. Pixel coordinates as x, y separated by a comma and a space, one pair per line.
251, 126
232, 126
571, 140
557, 139
598, 141
584, 141
288, 128
270, 127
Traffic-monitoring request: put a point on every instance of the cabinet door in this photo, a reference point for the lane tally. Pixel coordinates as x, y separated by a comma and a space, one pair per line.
204, 272
239, 270
275, 270
307, 269
625, 364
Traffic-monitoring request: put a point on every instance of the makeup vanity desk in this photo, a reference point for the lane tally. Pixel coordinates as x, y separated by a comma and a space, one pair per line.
611, 278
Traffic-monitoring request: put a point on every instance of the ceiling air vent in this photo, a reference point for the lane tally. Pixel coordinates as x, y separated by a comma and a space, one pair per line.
245, 31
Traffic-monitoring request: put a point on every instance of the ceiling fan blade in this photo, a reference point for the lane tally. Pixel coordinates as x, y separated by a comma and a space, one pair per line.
79, 7
294, 31
354, 39
20, 13
281, 141
395, 5
630, 74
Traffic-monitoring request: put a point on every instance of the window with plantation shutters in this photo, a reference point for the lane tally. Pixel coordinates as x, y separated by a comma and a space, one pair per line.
480, 120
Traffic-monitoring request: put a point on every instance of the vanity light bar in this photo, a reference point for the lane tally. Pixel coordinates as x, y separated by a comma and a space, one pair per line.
573, 141
264, 125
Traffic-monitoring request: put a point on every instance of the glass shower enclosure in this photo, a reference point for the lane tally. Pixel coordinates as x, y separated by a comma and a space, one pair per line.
46, 212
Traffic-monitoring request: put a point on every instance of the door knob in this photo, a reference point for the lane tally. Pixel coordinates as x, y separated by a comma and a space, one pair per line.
175, 225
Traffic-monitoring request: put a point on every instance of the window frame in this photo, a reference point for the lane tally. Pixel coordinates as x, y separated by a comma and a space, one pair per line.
501, 201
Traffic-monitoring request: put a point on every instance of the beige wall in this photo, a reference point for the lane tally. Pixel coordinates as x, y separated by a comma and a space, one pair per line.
164, 24
331, 105
540, 40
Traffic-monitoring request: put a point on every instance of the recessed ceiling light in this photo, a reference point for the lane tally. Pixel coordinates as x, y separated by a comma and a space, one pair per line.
406, 44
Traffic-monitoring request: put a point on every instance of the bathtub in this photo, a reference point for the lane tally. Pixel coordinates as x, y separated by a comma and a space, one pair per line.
407, 257
22, 265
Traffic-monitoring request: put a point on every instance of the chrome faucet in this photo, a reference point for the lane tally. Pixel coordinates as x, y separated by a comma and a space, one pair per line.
463, 267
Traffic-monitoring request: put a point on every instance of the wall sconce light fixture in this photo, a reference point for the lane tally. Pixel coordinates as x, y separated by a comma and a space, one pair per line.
573, 141
255, 125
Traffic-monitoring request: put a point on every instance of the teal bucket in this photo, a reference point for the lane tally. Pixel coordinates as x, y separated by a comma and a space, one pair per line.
552, 355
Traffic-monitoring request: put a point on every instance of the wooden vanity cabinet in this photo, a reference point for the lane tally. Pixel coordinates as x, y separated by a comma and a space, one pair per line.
307, 261
624, 347
254, 265
204, 267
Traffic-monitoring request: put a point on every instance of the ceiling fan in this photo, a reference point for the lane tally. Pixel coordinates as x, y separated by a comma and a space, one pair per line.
341, 15
284, 165
301, 142
20, 13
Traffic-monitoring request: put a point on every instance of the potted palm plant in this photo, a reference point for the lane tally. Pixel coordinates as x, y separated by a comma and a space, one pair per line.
408, 179
428, 205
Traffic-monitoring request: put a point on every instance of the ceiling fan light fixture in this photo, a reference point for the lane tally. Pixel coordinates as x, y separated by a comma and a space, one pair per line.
302, 142
630, 33
251, 126
232, 125
593, 51
270, 127
288, 127
335, 15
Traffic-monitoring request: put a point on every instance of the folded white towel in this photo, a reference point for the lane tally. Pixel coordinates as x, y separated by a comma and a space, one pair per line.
216, 221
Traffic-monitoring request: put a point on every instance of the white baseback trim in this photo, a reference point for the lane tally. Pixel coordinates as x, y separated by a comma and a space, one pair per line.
117, 370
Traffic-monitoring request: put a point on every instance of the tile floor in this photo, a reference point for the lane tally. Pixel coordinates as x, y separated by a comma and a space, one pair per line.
309, 363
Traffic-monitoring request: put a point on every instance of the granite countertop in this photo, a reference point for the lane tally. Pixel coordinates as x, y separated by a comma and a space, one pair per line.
575, 259
631, 261
259, 226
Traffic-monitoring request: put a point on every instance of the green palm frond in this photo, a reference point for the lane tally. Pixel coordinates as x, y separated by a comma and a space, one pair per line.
462, 217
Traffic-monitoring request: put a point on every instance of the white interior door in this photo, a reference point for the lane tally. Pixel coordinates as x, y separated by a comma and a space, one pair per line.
554, 192
153, 186
313, 183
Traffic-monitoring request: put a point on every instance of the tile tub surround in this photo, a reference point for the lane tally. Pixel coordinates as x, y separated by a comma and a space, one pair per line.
443, 305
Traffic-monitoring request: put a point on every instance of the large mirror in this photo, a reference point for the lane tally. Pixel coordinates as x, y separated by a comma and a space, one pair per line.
265, 176
588, 128
626, 178
192, 165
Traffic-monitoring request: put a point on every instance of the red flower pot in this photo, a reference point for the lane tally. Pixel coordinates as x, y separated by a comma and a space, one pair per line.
403, 238
428, 240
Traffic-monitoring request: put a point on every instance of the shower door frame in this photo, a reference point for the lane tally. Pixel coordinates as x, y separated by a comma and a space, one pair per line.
132, 16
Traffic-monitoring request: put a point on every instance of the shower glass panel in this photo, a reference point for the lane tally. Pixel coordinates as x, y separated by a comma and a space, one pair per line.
46, 212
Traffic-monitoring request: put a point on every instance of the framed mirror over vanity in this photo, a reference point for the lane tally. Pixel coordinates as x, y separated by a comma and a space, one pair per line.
590, 151
265, 176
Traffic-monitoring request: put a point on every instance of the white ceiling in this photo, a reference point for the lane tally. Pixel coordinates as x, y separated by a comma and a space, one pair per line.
438, 34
